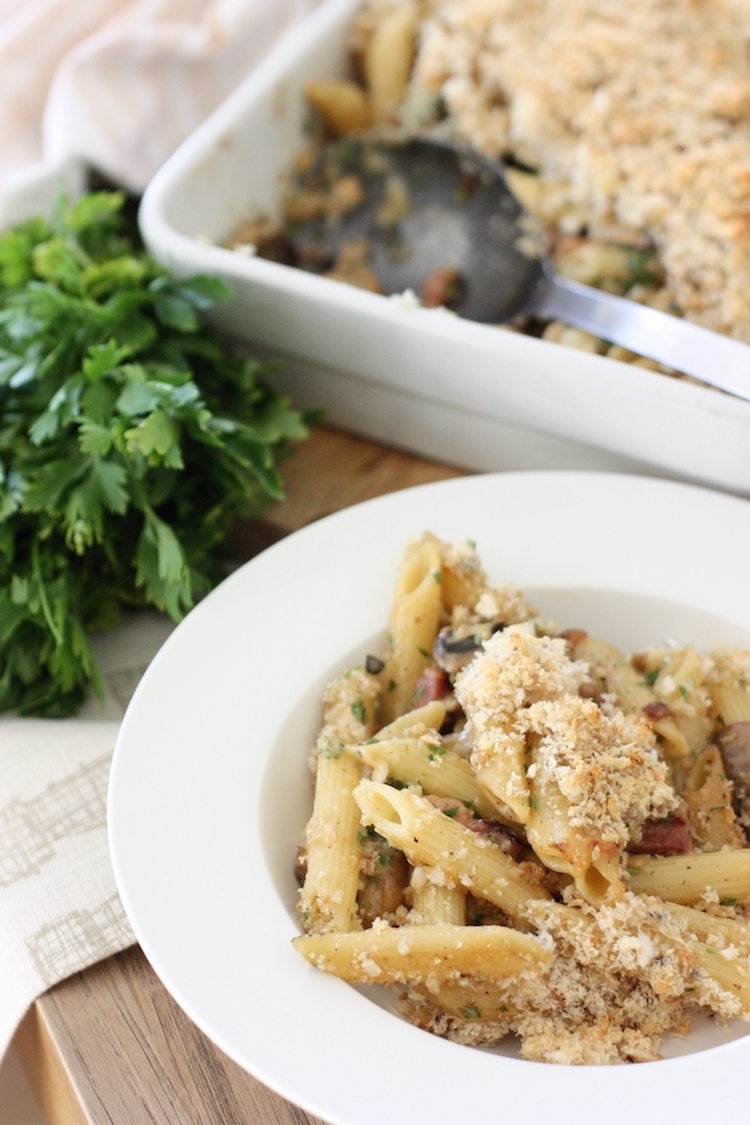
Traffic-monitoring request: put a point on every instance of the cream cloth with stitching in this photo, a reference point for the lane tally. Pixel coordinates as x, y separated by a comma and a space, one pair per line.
59, 907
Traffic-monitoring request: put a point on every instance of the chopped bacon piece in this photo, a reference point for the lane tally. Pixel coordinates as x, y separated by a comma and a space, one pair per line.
443, 286
657, 710
459, 812
432, 684
670, 836
573, 636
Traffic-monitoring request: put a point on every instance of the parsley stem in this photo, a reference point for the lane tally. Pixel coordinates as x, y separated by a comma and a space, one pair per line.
46, 610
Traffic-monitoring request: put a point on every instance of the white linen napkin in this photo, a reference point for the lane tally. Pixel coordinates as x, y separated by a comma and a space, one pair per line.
118, 84
59, 908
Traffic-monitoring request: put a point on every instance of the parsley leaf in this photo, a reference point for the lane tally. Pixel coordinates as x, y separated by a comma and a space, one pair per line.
131, 439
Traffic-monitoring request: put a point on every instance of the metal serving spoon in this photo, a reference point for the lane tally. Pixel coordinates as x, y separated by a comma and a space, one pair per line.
430, 207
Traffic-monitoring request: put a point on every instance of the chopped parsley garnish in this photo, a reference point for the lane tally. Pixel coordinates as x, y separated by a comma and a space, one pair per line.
643, 268
330, 748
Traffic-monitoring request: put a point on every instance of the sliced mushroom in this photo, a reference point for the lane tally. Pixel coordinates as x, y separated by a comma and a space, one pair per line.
454, 648
734, 743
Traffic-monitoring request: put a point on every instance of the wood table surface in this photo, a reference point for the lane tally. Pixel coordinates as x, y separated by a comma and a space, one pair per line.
109, 1045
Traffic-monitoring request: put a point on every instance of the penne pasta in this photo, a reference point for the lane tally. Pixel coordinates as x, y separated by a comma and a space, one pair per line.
415, 954
594, 864
329, 893
344, 105
473, 998
729, 685
707, 792
428, 837
617, 676
688, 878
433, 768
434, 902
479, 852
350, 703
387, 62
713, 929
678, 684
430, 716
413, 626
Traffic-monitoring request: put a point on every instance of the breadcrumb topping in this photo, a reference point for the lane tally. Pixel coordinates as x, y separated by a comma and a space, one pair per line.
349, 709
641, 110
623, 976
606, 766
515, 669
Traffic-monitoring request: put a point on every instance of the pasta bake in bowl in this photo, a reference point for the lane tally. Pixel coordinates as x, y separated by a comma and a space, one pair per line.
213, 765
478, 395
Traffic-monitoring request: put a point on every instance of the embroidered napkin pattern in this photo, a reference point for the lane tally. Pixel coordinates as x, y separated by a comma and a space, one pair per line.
59, 907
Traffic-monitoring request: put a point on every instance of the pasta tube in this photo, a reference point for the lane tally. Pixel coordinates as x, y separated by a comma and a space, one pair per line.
686, 878
708, 927
415, 954
433, 902
328, 900
430, 716
388, 60
415, 615
427, 836
617, 675
434, 768
594, 864
729, 686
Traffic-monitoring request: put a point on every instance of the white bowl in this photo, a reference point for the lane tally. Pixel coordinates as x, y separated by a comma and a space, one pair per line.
210, 765
422, 379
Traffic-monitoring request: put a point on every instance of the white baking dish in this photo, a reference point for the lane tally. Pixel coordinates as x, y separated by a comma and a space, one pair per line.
474, 395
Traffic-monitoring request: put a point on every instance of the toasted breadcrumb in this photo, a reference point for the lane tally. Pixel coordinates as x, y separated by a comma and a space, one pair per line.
623, 976
606, 767
349, 709
640, 109
729, 665
515, 669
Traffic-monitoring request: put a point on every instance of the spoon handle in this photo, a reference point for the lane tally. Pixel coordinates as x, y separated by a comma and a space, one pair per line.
709, 357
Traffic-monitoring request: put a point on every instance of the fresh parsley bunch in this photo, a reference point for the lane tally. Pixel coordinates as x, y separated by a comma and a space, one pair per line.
130, 440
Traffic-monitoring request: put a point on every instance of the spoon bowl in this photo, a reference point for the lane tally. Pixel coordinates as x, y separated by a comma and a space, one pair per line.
428, 208
441, 221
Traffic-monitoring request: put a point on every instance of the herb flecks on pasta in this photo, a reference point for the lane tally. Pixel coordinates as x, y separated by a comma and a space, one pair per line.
531, 832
